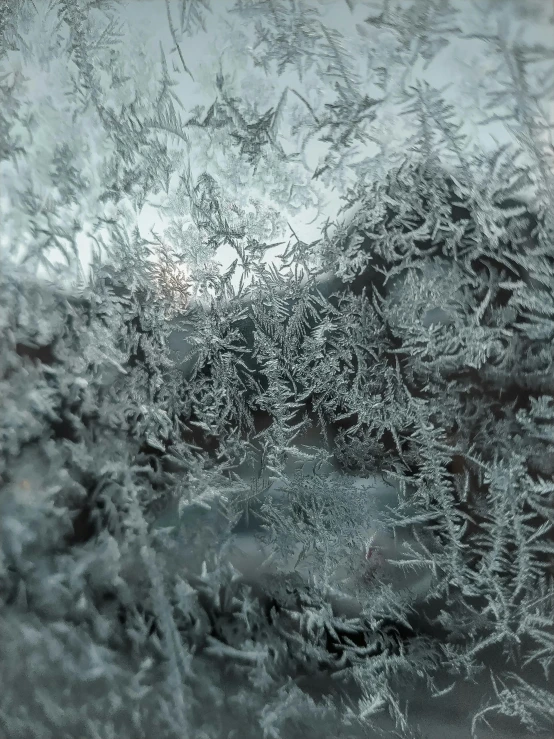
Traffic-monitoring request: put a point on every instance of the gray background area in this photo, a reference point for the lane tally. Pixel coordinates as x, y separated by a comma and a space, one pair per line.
461, 64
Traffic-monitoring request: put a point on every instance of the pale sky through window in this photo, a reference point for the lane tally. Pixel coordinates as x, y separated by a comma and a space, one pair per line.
462, 65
